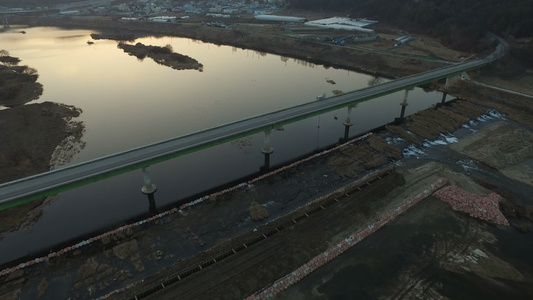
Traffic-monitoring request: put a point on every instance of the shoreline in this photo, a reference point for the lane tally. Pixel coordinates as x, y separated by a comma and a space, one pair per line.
342, 57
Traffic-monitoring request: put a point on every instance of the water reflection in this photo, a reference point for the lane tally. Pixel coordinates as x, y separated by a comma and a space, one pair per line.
75, 36
266, 166
127, 104
152, 208
375, 81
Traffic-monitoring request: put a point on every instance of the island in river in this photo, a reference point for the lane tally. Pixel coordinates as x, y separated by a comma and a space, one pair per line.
162, 55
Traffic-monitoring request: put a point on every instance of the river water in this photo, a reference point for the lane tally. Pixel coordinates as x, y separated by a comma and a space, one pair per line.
129, 103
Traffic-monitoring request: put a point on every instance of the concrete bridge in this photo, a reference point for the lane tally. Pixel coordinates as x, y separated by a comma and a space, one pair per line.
49, 183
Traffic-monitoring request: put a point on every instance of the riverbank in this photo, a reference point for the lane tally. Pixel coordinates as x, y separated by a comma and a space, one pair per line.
35, 138
247, 33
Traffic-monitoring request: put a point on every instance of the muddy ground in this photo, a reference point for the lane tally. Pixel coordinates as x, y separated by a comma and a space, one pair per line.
431, 251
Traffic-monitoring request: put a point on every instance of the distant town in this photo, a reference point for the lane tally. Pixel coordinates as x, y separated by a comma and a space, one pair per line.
153, 7
165, 11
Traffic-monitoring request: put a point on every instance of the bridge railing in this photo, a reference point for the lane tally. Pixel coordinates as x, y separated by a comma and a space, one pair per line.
49, 183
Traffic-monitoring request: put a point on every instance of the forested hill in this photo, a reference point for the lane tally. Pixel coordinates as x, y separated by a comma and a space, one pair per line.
460, 24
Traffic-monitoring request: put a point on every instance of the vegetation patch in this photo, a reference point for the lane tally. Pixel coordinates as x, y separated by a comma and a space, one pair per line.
162, 55
18, 84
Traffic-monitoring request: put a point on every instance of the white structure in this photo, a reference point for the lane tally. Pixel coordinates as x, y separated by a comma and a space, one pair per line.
343, 23
162, 19
69, 12
280, 18
403, 40
217, 15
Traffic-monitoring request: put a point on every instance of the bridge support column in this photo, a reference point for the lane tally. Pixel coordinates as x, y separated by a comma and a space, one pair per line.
149, 187
447, 84
442, 101
266, 146
348, 122
404, 104
266, 166
444, 94
152, 208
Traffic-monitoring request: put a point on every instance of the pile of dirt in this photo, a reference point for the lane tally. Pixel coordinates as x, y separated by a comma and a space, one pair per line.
485, 208
257, 212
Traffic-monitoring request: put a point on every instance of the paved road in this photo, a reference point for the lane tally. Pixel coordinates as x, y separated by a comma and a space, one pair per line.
53, 182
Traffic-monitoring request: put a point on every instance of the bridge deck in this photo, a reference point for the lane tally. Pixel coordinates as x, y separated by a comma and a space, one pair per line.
52, 182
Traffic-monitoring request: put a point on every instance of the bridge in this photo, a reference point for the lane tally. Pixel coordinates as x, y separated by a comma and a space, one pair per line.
49, 183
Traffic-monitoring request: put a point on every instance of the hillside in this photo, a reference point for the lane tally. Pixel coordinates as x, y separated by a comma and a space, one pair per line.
459, 24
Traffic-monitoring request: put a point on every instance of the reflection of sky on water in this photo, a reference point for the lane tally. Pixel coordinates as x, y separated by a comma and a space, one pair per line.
127, 103
133, 103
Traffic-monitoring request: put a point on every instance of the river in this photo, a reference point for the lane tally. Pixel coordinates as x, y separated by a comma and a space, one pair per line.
129, 103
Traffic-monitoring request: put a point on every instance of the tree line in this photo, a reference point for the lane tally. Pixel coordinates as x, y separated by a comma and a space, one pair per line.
459, 23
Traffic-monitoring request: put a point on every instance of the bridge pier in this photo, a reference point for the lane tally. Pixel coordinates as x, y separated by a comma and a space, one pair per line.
404, 104
152, 208
266, 145
443, 101
149, 187
348, 122
266, 166
447, 84
443, 98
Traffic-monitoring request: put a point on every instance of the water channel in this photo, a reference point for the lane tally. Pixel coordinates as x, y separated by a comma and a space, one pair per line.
129, 103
